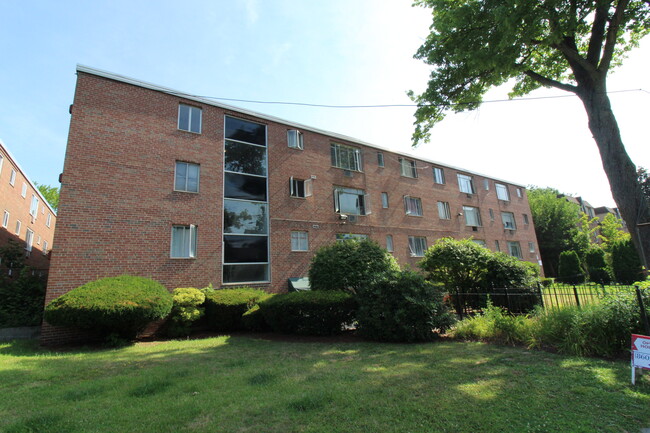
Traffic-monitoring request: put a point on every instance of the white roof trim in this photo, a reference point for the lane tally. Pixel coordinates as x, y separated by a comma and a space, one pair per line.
147, 85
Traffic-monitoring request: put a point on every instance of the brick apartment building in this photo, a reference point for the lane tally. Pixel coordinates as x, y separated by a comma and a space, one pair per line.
27, 217
191, 192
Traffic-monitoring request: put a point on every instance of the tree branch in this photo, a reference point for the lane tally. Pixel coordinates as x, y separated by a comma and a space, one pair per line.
550, 82
612, 36
597, 35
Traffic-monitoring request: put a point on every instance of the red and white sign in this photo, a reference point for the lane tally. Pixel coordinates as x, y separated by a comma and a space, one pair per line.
640, 353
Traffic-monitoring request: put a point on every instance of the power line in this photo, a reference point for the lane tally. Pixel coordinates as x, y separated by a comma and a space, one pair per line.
305, 104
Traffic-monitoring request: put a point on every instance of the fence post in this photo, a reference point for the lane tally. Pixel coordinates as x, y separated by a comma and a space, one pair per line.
575, 293
541, 296
505, 290
460, 306
644, 315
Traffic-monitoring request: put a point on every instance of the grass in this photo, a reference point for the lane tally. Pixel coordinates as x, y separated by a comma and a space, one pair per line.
562, 295
243, 384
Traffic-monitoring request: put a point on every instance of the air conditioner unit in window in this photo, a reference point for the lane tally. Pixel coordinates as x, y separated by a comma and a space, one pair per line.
474, 228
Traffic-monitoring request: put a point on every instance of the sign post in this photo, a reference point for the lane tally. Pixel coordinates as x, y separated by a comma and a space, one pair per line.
640, 353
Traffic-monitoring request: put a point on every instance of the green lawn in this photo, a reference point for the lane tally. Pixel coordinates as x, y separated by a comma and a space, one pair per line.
243, 384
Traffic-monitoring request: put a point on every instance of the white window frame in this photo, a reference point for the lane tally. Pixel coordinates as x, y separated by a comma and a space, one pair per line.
342, 237
502, 191
497, 246
476, 212
192, 112
491, 212
508, 220
5, 219
184, 188
45, 248
23, 192
384, 200
48, 220
525, 216
480, 242
466, 184
33, 206
408, 168
29, 240
531, 247
363, 201
444, 211
352, 154
417, 246
192, 242
294, 190
18, 227
520, 193
12, 177
438, 175
412, 206
486, 184
295, 139
380, 159
299, 241
389, 243
514, 249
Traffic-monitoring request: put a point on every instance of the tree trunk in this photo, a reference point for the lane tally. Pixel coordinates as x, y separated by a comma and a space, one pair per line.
620, 170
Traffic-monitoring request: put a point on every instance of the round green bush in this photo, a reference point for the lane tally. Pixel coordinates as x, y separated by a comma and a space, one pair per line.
569, 270
597, 266
185, 311
404, 308
253, 320
309, 312
121, 306
224, 308
626, 265
349, 265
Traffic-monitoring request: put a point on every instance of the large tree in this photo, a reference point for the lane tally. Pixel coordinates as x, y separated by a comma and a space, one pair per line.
566, 44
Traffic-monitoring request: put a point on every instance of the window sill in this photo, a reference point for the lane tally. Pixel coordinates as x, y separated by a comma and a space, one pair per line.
411, 215
191, 132
294, 196
183, 258
187, 192
299, 251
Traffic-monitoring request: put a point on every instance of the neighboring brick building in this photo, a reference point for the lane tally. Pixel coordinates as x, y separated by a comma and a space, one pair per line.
191, 192
25, 215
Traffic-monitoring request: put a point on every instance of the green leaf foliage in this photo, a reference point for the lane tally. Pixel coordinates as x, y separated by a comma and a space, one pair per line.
22, 299
403, 308
51, 194
596, 265
350, 265
626, 265
121, 305
309, 312
224, 308
186, 310
570, 270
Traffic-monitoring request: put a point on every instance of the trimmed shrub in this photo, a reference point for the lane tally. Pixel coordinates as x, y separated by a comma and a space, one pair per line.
404, 308
570, 271
626, 265
22, 299
185, 311
224, 308
253, 320
507, 271
350, 265
309, 312
458, 264
120, 306
596, 266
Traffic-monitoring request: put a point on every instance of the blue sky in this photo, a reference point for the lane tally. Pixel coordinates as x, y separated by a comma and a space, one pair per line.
338, 52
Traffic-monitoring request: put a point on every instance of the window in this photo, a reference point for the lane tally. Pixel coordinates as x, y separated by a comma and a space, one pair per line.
514, 249
18, 227
417, 246
389, 243
5, 219
29, 239
345, 157
438, 175
531, 247
294, 139
33, 208
23, 192
486, 184
189, 118
491, 214
49, 219
380, 159
525, 219
508, 219
45, 247
412, 206
299, 241
472, 216
384, 200
38, 240
408, 168
520, 193
186, 177
183, 244
300, 188
466, 184
443, 210
340, 237
497, 247
502, 192
351, 201
480, 242
12, 177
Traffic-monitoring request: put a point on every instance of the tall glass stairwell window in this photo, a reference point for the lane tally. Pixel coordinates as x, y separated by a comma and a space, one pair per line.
245, 204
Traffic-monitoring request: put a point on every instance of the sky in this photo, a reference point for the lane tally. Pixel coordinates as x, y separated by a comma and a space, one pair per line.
337, 52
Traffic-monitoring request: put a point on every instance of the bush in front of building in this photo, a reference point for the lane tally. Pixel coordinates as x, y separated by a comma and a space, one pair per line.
310, 312
596, 265
224, 308
569, 269
185, 311
403, 308
350, 265
111, 307
626, 265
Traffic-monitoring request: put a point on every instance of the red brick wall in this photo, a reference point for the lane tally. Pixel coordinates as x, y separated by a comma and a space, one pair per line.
118, 205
